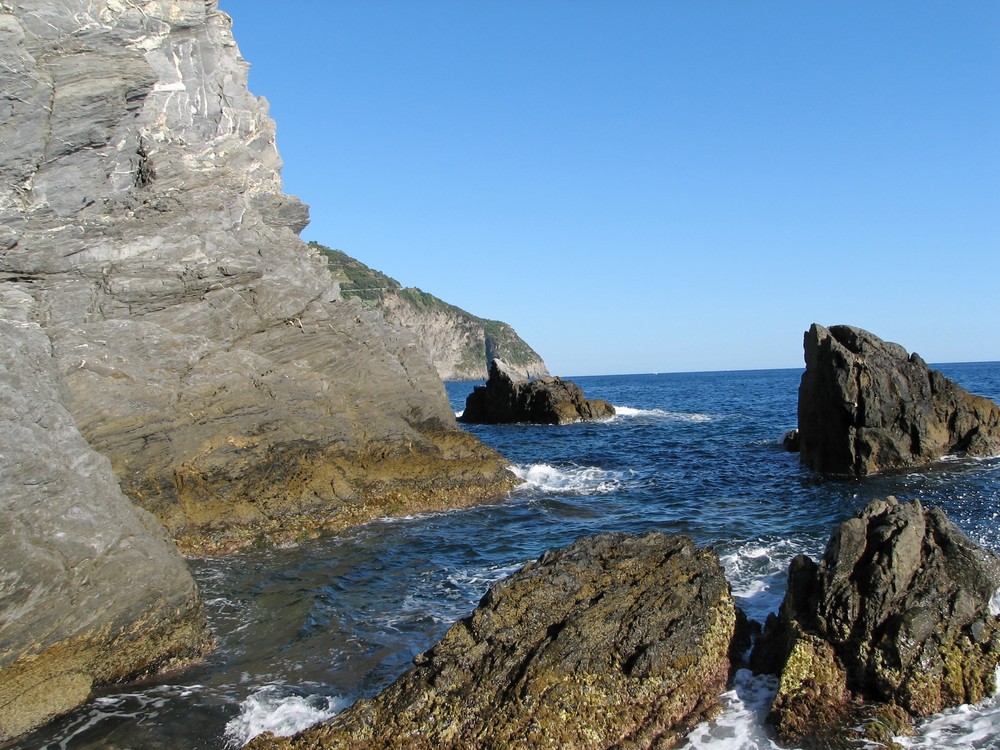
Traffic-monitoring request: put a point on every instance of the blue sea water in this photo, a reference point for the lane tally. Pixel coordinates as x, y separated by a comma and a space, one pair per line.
304, 632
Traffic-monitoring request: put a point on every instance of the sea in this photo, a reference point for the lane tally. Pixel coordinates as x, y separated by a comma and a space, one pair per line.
304, 632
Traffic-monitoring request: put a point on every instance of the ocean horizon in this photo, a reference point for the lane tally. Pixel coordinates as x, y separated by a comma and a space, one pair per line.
304, 632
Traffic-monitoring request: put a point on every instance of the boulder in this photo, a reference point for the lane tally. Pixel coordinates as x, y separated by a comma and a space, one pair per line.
203, 346
91, 590
615, 641
510, 397
897, 613
866, 405
790, 441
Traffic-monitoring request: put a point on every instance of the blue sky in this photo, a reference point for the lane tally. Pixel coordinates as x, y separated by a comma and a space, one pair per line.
653, 186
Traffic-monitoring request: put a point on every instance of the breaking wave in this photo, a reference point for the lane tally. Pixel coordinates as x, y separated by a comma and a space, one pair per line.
662, 414
275, 709
569, 480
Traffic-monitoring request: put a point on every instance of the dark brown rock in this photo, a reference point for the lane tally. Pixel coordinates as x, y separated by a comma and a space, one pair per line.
897, 612
510, 397
866, 405
790, 441
615, 641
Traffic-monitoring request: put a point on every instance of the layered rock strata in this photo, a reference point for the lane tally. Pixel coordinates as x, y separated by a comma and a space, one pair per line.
203, 347
896, 613
91, 590
509, 397
615, 641
866, 405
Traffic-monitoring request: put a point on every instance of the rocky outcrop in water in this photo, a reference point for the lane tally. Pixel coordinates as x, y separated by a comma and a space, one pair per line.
460, 345
91, 590
866, 405
203, 347
615, 641
508, 397
896, 613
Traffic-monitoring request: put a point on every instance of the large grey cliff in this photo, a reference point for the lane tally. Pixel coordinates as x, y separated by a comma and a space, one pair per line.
461, 345
203, 347
91, 590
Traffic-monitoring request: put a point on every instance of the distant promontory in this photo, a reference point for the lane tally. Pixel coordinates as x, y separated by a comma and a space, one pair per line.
460, 344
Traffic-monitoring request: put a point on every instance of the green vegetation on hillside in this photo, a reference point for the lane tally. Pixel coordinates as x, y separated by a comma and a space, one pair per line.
372, 287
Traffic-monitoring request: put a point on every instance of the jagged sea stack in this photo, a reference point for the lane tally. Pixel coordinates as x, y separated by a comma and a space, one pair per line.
616, 641
510, 397
202, 346
896, 613
867, 405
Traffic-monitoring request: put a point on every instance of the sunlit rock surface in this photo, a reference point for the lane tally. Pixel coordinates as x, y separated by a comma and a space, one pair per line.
866, 405
898, 612
91, 590
616, 641
204, 348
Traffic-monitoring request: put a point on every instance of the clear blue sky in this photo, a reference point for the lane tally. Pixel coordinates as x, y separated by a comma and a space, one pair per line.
654, 186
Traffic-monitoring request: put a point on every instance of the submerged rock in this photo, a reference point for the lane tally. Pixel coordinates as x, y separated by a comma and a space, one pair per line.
510, 397
91, 590
203, 346
790, 441
897, 612
866, 405
615, 641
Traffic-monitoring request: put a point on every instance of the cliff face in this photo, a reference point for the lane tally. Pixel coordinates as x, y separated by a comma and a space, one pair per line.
460, 344
91, 591
204, 348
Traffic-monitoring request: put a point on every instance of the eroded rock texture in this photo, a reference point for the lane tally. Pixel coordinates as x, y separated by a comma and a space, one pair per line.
615, 641
897, 612
866, 405
510, 397
91, 590
203, 347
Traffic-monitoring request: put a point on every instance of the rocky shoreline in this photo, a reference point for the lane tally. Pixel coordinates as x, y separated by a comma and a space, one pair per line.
152, 277
627, 641
180, 370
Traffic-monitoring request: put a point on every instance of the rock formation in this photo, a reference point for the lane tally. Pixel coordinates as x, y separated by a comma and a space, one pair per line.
91, 590
866, 406
508, 397
896, 613
204, 348
615, 641
460, 345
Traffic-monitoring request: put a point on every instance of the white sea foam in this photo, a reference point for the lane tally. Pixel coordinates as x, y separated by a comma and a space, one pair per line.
662, 414
995, 603
275, 709
459, 413
568, 480
741, 725
963, 728
757, 571
447, 600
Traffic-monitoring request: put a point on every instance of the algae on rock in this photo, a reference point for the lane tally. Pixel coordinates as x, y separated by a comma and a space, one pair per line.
615, 641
